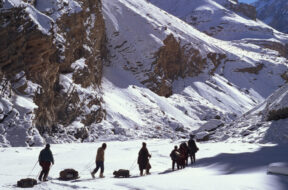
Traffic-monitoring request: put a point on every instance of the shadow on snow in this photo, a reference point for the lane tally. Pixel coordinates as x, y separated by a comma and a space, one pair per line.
233, 163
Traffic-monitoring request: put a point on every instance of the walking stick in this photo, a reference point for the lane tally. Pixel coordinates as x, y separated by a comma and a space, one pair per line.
133, 166
32, 169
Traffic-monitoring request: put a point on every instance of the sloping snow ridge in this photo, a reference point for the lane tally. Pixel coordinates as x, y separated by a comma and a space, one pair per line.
214, 18
265, 123
201, 98
135, 31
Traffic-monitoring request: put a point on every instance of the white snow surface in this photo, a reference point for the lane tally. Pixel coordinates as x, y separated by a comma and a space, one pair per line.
219, 166
213, 17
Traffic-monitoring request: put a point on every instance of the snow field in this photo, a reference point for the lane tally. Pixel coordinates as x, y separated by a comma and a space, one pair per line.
219, 166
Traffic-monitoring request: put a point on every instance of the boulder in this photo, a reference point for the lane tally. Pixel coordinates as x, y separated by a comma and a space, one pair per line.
278, 168
203, 136
212, 125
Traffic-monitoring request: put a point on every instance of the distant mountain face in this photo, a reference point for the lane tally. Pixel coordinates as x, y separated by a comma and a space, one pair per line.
273, 13
222, 19
267, 122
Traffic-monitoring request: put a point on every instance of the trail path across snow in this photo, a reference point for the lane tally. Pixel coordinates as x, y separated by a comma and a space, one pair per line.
220, 166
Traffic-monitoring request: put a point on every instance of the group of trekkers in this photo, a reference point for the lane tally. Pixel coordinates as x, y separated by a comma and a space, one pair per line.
179, 157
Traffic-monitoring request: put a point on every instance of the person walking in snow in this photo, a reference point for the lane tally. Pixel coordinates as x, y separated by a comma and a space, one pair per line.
143, 159
192, 149
45, 159
174, 157
183, 150
99, 161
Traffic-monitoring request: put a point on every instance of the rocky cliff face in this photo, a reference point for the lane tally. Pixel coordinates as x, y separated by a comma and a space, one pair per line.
273, 13
244, 9
174, 61
44, 51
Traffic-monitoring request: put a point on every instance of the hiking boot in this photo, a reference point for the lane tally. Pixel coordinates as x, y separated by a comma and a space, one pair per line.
147, 172
93, 175
101, 175
45, 178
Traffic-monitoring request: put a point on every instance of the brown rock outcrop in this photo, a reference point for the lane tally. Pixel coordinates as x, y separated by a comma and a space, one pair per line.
174, 61
23, 47
253, 70
243, 8
280, 48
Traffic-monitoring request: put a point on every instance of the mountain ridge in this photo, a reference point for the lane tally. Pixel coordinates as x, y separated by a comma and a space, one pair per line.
155, 77
273, 13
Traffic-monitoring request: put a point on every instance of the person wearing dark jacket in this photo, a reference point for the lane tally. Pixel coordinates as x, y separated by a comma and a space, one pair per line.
99, 161
143, 159
174, 157
45, 159
183, 150
192, 149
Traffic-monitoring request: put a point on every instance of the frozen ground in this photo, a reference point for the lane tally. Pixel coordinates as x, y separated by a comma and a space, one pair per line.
220, 166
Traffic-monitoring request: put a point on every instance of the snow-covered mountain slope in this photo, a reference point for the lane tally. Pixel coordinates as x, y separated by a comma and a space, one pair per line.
273, 13
233, 85
163, 78
222, 19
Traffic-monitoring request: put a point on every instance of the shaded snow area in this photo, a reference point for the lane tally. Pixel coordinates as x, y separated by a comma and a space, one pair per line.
273, 13
219, 166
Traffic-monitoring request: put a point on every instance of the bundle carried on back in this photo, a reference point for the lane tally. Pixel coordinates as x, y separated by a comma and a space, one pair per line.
68, 174
27, 182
